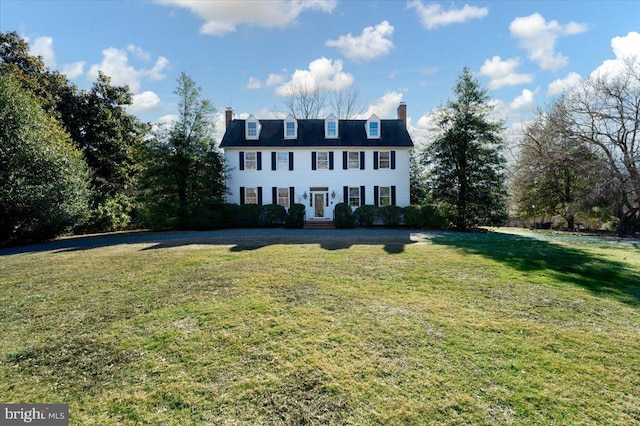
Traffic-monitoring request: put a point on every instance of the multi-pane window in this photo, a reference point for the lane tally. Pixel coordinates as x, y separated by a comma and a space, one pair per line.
290, 129
250, 160
322, 159
251, 195
373, 129
283, 197
384, 160
384, 196
354, 160
354, 197
332, 130
282, 161
252, 129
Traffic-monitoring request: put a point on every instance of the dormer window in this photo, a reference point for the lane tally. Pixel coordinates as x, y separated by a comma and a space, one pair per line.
373, 127
290, 127
252, 128
331, 127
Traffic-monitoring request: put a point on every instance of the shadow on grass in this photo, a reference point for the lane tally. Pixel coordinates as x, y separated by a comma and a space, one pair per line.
392, 240
601, 276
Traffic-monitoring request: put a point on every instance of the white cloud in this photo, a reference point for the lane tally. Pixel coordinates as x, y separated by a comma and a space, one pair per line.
73, 70
563, 85
434, 15
275, 79
145, 101
384, 107
253, 83
141, 54
115, 64
224, 16
323, 72
524, 101
43, 46
502, 73
539, 37
372, 43
624, 48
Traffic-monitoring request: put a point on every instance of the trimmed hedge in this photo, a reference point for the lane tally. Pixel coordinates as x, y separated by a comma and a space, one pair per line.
295, 216
344, 217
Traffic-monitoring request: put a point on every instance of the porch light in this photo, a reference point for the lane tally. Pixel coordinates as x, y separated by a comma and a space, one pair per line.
333, 194
305, 195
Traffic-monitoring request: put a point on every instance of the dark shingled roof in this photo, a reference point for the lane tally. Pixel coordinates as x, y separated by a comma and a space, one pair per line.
311, 134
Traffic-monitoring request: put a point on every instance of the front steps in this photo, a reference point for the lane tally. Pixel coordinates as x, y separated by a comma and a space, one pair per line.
319, 224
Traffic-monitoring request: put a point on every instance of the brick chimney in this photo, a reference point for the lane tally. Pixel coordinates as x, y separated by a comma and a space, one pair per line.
228, 116
402, 113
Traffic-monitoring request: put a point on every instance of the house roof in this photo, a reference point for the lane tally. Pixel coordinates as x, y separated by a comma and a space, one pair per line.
393, 133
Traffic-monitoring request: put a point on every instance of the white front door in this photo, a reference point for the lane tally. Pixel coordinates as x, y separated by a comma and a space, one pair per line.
318, 201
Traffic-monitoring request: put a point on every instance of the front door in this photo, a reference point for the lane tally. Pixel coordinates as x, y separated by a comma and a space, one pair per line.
318, 200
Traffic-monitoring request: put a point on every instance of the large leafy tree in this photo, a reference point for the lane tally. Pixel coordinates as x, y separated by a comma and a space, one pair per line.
184, 169
465, 164
556, 173
43, 177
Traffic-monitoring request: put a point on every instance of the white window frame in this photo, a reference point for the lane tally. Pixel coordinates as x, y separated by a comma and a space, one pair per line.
350, 160
252, 133
387, 160
282, 160
384, 200
251, 163
354, 196
324, 162
331, 120
283, 200
373, 119
287, 121
251, 199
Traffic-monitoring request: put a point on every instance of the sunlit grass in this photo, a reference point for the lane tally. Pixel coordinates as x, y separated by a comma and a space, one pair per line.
450, 329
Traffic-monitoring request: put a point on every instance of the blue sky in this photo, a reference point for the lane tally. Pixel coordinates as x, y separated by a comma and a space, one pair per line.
245, 54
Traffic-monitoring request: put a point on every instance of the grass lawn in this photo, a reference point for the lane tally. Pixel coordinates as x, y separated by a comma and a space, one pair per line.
496, 328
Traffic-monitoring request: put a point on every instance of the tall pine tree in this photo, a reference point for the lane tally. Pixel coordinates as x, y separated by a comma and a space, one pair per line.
465, 164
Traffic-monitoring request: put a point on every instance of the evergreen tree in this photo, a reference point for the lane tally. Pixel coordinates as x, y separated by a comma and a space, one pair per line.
465, 165
184, 170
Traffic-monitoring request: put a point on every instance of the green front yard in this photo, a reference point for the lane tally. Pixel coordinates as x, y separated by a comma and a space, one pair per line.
451, 329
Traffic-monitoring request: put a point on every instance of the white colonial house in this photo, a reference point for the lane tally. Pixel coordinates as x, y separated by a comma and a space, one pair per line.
318, 162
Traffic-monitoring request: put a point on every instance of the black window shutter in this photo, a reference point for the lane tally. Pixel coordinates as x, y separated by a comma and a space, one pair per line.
375, 160
331, 160
345, 194
273, 161
260, 195
290, 160
393, 195
274, 195
345, 160
259, 155
393, 160
241, 195
241, 160
292, 194
313, 160
376, 192
362, 200
361, 160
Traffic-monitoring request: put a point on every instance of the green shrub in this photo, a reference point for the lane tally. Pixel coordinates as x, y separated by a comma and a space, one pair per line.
295, 216
390, 215
344, 217
366, 215
248, 216
413, 217
273, 215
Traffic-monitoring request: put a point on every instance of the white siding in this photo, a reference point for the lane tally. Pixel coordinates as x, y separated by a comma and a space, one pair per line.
303, 177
